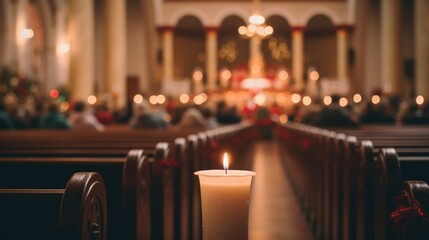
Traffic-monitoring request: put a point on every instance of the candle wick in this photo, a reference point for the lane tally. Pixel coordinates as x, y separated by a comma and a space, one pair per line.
226, 171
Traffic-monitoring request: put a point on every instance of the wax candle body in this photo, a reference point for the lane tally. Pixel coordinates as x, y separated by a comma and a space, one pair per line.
225, 204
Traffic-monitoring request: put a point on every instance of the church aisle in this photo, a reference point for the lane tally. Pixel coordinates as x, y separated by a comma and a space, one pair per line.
274, 211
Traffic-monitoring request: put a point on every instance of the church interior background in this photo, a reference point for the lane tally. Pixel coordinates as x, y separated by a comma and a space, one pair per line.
121, 51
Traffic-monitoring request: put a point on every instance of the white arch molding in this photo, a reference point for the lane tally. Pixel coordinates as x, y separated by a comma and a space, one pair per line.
282, 12
200, 15
229, 11
319, 10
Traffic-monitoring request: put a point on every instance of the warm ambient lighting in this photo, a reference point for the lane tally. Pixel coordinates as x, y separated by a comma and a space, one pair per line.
283, 75
138, 98
260, 99
420, 100
64, 48
314, 75
198, 100
306, 100
92, 99
343, 102
160, 99
375, 99
27, 33
296, 98
283, 119
184, 98
357, 98
153, 99
256, 26
64, 106
225, 162
327, 100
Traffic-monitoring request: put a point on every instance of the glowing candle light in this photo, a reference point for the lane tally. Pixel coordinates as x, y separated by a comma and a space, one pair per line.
225, 196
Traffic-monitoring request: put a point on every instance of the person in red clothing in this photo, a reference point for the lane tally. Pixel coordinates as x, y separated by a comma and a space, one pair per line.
104, 115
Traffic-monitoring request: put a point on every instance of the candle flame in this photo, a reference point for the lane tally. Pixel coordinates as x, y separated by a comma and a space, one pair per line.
225, 162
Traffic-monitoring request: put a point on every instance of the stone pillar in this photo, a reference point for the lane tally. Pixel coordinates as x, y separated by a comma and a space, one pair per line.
298, 57
342, 52
23, 45
421, 26
8, 44
211, 61
81, 27
115, 49
391, 59
168, 52
255, 47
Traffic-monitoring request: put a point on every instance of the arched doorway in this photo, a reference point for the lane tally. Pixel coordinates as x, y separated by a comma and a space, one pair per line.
320, 62
320, 46
233, 52
187, 60
277, 51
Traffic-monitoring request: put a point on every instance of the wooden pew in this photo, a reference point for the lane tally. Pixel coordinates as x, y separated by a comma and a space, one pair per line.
76, 212
128, 183
391, 170
173, 180
414, 198
347, 170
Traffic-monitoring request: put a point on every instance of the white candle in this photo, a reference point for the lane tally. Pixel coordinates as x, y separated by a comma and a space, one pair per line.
225, 198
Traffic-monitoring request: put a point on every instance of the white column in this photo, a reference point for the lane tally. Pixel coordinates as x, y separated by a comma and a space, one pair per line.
421, 26
81, 27
391, 59
115, 49
8, 36
211, 63
23, 44
341, 53
298, 57
255, 47
62, 45
168, 50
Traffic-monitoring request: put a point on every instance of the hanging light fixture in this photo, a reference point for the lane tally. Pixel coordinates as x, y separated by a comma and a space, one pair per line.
256, 26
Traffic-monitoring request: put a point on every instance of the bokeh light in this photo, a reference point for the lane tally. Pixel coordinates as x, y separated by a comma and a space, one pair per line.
184, 98
327, 100
92, 99
138, 98
343, 102
357, 98
296, 98
306, 100
375, 99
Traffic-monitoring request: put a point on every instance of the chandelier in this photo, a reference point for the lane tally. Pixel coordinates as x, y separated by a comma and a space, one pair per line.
256, 26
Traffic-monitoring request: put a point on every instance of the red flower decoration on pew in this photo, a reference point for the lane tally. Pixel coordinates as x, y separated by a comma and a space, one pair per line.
305, 143
214, 144
407, 210
168, 163
236, 140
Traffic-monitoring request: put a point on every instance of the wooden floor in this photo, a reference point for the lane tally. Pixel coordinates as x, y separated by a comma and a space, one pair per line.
274, 211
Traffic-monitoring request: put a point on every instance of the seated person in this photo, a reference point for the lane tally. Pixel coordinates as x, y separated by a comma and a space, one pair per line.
82, 119
6, 121
335, 116
146, 119
192, 119
225, 115
378, 114
53, 119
